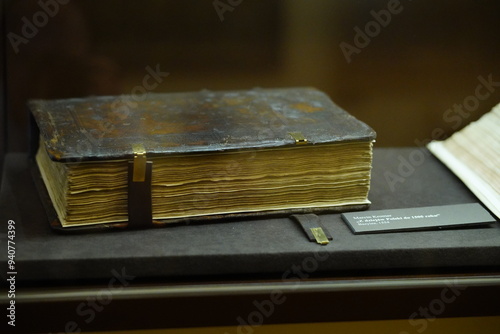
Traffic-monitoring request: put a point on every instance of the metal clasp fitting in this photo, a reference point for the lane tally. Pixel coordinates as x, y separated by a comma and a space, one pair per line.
140, 160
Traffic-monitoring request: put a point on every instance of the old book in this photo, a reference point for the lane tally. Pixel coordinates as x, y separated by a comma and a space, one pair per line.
473, 154
213, 154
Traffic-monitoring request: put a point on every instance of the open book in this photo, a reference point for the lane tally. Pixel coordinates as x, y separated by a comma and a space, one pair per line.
473, 154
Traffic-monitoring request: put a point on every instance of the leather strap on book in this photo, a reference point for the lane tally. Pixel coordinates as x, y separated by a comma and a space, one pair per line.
140, 206
314, 230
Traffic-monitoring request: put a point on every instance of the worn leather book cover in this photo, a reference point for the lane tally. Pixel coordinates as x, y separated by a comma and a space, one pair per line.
209, 125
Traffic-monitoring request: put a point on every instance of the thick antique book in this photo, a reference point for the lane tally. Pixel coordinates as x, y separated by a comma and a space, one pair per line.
170, 157
473, 154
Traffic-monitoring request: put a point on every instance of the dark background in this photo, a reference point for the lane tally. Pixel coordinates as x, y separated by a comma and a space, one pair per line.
427, 59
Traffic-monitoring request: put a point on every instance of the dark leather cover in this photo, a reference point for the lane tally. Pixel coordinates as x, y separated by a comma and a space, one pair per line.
104, 128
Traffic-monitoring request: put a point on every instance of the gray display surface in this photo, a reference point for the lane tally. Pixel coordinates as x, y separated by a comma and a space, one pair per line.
266, 246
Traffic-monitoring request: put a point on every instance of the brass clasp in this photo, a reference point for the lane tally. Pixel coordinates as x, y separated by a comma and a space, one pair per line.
139, 163
298, 137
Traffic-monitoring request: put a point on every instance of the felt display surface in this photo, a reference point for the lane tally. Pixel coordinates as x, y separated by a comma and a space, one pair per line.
402, 178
